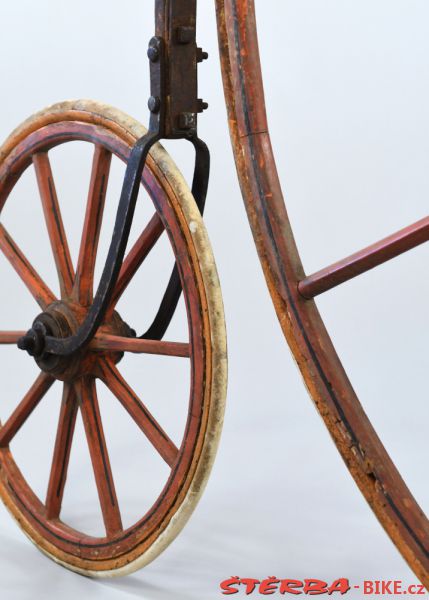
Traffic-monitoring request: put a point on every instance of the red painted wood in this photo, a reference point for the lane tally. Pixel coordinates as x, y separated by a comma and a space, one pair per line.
25, 408
325, 377
10, 337
87, 395
365, 259
83, 285
126, 545
136, 256
138, 411
54, 223
61, 456
37, 287
116, 343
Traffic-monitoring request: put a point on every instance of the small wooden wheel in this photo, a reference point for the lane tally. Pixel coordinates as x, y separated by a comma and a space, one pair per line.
121, 550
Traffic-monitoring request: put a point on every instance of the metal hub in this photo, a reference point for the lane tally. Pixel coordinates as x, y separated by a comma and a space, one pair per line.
61, 320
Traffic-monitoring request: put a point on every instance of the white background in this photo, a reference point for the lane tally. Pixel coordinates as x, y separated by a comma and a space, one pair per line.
347, 93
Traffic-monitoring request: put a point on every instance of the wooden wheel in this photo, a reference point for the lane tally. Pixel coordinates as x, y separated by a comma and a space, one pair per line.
121, 550
292, 292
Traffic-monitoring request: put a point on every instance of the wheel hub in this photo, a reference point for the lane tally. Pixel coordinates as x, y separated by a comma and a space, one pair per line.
61, 320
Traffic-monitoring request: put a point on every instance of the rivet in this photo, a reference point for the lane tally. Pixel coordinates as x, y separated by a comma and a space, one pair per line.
154, 104
153, 53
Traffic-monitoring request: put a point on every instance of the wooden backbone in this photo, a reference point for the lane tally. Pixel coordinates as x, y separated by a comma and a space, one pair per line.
292, 291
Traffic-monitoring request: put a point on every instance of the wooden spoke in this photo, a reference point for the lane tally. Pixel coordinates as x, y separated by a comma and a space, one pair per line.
83, 286
137, 346
138, 411
38, 288
87, 395
60, 460
10, 337
366, 259
136, 256
25, 408
51, 210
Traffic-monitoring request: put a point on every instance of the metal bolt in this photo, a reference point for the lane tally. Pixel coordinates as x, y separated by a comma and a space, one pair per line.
201, 55
202, 106
153, 53
34, 340
154, 104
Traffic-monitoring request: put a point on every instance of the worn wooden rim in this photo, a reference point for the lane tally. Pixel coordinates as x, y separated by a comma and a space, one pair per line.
111, 129
323, 373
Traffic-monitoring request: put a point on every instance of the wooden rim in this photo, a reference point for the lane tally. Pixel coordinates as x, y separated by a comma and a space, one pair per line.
120, 551
292, 293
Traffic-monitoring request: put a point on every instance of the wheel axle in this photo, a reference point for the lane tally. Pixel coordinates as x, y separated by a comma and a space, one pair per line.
61, 320
34, 340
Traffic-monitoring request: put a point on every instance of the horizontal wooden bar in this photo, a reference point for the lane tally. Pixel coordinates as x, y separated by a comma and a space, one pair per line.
138, 346
11, 337
365, 259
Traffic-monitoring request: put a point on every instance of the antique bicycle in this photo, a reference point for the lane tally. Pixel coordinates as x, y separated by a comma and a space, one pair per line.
79, 337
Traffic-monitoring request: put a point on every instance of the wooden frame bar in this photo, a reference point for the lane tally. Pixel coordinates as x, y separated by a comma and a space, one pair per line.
365, 259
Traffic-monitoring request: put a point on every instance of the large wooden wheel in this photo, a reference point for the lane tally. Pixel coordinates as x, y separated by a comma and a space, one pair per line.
120, 550
293, 292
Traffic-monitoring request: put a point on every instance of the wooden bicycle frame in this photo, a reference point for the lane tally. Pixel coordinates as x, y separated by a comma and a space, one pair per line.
174, 107
324, 375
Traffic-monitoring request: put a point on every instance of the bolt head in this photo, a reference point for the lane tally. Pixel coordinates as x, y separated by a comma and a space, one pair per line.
202, 106
153, 53
201, 55
154, 104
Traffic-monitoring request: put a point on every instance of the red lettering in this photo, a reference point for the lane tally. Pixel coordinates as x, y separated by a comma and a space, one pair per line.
397, 587
291, 586
340, 585
416, 590
269, 586
250, 585
368, 587
226, 586
314, 587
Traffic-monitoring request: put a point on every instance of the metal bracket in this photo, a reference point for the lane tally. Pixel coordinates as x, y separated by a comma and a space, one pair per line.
174, 106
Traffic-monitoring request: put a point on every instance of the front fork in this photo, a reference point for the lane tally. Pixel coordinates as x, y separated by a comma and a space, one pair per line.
174, 106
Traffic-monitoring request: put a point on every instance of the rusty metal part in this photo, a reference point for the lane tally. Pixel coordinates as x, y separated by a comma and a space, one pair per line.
173, 105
